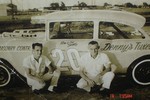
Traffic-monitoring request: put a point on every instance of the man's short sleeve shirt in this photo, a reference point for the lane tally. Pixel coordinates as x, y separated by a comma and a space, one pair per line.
94, 66
38, 67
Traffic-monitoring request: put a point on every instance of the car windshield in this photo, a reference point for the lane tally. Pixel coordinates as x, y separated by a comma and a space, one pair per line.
71, 30
109, 30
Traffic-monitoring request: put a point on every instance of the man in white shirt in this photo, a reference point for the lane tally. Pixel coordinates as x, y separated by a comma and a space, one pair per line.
95, 69
35, 69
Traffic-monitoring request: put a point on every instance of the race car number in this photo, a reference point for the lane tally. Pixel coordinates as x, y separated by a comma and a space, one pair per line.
72, 55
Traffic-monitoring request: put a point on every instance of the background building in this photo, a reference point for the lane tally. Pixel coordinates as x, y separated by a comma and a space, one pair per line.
7, 9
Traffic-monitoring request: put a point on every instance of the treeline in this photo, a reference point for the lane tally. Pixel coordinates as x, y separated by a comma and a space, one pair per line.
80, 5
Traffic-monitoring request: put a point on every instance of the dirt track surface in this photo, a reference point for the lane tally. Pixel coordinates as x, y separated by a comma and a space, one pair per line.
121, 89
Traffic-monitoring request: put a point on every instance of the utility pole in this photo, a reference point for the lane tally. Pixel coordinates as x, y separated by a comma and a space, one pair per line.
93, 2
12, 10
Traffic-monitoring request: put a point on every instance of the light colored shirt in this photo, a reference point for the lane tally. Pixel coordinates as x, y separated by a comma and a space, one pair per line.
37, 68
92, 66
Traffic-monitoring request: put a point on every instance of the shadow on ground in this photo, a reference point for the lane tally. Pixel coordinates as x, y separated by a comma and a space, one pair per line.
120, 89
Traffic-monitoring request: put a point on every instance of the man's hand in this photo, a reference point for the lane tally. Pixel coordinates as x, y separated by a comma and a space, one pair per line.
41, 81
90, 82
97, 78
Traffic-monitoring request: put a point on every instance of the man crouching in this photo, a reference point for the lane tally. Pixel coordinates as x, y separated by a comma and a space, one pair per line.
95, 69
36, 72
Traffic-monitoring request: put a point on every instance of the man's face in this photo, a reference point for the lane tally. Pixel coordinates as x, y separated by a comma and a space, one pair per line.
93, 49
37, 52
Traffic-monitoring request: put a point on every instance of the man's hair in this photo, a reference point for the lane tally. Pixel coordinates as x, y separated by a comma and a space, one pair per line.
93, 42
37, 44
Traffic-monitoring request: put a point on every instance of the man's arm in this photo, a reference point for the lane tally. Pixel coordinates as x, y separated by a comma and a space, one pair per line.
106, 64
52, 67
28, 72
113, 68
107, 69
84, 76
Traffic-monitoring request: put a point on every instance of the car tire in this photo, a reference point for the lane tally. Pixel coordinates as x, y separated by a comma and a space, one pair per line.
139, 71
5, 76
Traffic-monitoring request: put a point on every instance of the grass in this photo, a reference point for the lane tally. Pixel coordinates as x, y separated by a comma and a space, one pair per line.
138, 10
17, 18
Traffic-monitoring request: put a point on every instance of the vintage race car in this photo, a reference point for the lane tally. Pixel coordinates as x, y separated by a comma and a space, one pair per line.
67, 34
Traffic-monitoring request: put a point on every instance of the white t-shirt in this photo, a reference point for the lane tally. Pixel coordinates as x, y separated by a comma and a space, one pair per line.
94, 66
36, 67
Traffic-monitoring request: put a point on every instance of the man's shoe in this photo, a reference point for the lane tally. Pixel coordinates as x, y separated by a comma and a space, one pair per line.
104, 92
57, 90
48, 92
94, 89
50, 88
36, 91
53, 89
102, 89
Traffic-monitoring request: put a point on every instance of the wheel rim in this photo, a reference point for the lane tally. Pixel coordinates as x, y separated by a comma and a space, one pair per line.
4, 76
141, 72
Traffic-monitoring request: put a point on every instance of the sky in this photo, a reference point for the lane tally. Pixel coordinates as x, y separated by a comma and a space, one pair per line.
30, 4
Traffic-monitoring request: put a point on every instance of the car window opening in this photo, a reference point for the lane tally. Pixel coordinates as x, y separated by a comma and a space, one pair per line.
71, 30
110, 30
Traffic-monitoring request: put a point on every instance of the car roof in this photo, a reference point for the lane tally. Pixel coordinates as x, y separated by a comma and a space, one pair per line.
124, 17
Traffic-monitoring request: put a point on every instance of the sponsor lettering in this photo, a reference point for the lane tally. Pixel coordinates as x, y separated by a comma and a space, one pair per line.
15, 48
141, 46
126, 47
122, 48
107, 46
23, 48
69, 43
7, 48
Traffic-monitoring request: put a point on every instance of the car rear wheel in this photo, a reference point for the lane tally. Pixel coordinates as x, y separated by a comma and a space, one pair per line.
5, 76
139, 72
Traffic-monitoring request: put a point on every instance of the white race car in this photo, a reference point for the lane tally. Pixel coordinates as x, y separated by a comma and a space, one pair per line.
67, 34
